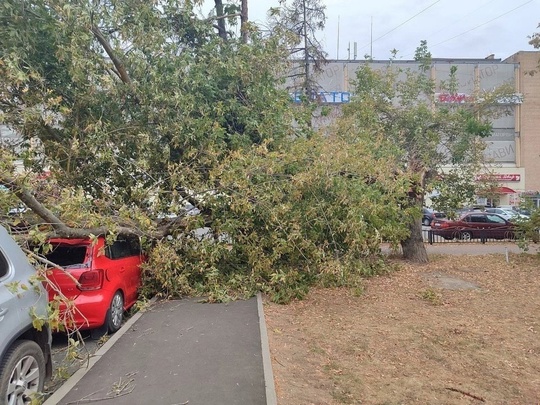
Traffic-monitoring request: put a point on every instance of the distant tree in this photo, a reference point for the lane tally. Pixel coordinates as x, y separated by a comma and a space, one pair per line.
535, 42
301, 20
535, 39
397, 108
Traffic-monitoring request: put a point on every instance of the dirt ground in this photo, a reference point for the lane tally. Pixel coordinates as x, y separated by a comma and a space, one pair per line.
460, 330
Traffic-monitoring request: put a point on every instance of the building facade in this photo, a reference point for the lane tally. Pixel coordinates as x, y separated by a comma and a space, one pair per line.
528, 123
513, 149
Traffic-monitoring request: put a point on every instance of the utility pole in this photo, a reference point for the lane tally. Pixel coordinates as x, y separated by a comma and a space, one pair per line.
337, 52
371, 40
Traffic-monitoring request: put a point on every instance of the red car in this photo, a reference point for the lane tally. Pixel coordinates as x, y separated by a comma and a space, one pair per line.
109, 277
474, 225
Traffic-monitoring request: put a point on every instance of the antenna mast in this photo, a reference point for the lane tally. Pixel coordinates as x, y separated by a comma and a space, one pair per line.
371, 40
337, 52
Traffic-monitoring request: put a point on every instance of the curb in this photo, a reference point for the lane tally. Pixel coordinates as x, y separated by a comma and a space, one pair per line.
271, 398
65, 388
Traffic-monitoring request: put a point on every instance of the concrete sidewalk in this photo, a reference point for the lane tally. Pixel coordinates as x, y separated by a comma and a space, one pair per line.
180, 352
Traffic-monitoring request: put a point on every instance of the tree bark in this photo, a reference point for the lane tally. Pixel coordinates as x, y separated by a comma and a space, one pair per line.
120, 68
413, 247
222, 32
243, 21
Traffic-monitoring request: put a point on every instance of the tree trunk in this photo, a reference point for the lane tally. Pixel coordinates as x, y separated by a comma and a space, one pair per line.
222, 31
243, 21
413, 247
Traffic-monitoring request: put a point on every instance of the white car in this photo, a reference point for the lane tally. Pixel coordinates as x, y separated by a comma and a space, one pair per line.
508, 214
25, 352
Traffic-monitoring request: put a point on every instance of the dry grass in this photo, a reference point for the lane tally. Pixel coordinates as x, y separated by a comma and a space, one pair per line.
415, 336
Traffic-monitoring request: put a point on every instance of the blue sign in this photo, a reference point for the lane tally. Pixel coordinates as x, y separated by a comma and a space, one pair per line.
325, 97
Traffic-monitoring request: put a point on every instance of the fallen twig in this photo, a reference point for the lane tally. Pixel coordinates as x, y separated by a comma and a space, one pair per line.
466, 393
119, 389
146, 332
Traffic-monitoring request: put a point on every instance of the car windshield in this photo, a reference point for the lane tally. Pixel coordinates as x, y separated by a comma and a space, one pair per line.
65, 255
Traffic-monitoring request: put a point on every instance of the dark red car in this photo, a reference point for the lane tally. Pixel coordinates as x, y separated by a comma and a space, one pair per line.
109, 277
429, 215
474, 225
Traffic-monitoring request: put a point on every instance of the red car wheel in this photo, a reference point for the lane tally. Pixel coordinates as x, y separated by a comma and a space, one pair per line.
115, 314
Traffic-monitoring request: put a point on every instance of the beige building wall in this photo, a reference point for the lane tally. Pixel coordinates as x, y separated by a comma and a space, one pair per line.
528, 118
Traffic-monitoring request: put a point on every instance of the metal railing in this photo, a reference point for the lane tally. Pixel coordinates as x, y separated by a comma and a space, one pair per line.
432, 236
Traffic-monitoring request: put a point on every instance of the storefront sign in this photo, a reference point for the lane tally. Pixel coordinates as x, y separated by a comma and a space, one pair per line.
325, 97
499, 177
459, 98
454, 98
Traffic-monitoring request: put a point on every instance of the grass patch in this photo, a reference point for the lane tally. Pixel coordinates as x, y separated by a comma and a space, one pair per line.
432, 296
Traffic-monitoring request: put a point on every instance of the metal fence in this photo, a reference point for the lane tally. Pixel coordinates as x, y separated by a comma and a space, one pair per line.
467, 235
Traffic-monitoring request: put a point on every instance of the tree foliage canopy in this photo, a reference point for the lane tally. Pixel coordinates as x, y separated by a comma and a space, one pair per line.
133, 102
129, 110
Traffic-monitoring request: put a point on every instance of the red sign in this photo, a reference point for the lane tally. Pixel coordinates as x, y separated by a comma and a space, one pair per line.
455, 98
499, 177
508, 177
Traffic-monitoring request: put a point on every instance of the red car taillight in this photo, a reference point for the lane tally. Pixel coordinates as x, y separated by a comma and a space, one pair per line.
91, 280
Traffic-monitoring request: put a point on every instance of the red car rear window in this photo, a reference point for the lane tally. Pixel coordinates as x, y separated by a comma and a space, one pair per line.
67, 255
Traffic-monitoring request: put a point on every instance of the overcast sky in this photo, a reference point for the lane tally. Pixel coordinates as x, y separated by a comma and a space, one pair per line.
452, 28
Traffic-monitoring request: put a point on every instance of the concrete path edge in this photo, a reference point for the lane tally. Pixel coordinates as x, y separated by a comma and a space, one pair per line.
271, 398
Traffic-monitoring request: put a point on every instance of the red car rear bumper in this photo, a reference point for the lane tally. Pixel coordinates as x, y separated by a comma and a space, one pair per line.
89, 311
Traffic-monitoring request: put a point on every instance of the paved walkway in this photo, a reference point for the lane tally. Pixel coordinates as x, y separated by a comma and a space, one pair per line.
180, 352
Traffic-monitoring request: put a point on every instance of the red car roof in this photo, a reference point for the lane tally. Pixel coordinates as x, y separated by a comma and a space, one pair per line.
65, 241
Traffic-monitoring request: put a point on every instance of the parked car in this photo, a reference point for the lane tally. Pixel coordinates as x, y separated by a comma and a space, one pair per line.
508, 214
523, 211
108, 277
429, 215
474, 225
516, 208
465, 210
25, 352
